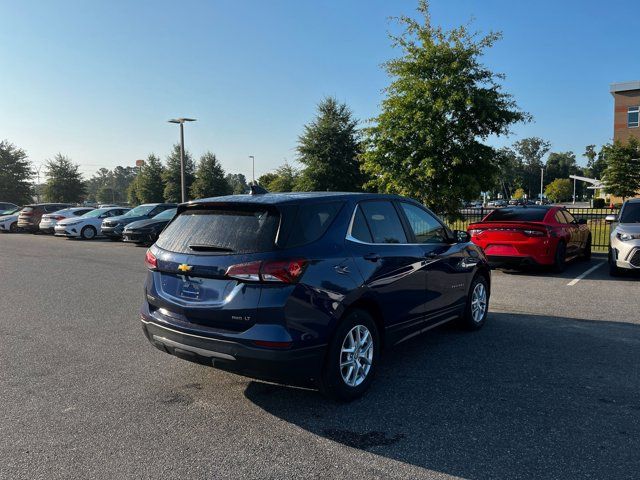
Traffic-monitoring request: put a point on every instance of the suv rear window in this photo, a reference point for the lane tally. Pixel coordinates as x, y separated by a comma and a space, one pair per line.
222, 230
519, 214
312, 221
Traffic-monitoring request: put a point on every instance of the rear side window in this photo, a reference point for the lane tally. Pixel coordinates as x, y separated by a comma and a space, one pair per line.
425, 227
383, 222
518, 214
560, 218
359, 229
312, 221
221, 231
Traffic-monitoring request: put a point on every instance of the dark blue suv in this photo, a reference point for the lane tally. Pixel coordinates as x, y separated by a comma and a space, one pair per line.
307, 288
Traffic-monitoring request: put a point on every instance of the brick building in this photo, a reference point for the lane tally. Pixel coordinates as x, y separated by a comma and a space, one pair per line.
626, 116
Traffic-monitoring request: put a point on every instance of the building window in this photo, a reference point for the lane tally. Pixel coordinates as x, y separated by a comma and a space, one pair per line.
633, 117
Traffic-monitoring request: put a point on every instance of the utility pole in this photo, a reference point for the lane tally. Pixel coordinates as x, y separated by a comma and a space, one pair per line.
541, 182
180, 121
253, 169
38, 183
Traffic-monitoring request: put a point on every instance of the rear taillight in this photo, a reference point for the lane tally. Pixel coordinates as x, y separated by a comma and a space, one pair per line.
534, 233
284, 271
475, 231
57, 217
26, 214
151, 261
245, 271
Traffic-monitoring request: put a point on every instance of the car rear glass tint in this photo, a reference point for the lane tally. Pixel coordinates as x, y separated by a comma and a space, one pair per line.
312, 221
383, 221
238, 230
27, 209
520, 214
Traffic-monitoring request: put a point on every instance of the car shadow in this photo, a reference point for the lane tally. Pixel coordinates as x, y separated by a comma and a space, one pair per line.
526, 397
573, 269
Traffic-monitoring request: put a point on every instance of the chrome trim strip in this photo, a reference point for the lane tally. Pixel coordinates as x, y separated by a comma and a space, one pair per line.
178, 332
199, 351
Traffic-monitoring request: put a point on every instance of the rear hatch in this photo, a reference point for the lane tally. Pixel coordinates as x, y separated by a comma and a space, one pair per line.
209, 261
27, 215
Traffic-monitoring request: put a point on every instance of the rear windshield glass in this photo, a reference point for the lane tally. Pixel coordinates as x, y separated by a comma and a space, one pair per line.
219, 231
630, 213
520, 214
312, 221
27, 209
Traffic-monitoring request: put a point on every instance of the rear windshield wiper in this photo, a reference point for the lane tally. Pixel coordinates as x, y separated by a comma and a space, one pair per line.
210, 248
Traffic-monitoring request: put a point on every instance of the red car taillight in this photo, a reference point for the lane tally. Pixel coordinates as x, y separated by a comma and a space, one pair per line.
284, 271
151, 261
57, 217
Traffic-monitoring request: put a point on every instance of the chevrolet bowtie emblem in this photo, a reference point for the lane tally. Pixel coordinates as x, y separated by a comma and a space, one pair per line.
184, 267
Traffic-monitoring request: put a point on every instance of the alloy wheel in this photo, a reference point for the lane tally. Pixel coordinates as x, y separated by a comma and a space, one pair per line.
478, 302
356, 355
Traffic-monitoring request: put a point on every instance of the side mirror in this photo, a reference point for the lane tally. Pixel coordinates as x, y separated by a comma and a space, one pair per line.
610, 218
582, 221
461, 236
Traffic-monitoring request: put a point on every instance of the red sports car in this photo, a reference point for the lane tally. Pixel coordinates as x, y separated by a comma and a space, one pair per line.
532, 235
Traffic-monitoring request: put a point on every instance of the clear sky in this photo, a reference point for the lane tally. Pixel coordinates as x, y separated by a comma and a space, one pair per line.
97, 80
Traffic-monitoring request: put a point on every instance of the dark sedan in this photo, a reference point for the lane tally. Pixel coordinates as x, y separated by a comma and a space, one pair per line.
307, 287
145, 232
113, 227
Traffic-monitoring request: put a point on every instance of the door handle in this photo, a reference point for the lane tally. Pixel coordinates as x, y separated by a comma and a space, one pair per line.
372, 257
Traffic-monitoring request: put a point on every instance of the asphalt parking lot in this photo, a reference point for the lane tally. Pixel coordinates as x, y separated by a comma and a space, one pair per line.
550, 388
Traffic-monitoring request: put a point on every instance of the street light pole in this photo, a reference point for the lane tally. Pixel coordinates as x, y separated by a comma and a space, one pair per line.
541, 182
253, 169
183, 187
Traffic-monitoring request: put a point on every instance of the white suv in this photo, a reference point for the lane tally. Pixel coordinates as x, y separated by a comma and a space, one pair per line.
624, 241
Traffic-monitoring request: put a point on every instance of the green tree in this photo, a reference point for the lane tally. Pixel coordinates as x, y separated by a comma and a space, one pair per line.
530, 152
596, 164
286, 179
329, 149
560, 190
622, 175
210, 181
560, 165
105, 194
15, 172
150, 184
519, 193
238, 183
172, 181
132, 193
265, 179
64, 181
440, 109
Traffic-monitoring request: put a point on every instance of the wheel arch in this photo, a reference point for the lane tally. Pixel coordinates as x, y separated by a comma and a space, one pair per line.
370, 306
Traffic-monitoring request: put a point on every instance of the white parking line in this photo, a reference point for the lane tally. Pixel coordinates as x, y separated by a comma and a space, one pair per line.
582, 275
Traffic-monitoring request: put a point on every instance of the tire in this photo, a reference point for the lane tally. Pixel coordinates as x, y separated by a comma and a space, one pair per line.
477, 307
13, 228
614, 270
88, 233
342, 383
560, 259
586, 253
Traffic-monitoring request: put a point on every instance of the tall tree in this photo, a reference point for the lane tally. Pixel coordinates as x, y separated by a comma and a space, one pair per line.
172, 189
238, 183
150, 185
596, 164
429, 141
15, 172
530, 152
560, 165
64, 181
210, 181
622, 176
329, 149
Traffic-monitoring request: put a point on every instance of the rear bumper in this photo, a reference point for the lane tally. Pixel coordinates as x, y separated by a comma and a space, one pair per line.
28, 226
298, 366
533, 251
513, 261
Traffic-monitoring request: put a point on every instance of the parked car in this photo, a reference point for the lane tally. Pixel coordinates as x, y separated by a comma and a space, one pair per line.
307, 288
88, 225
30, 215
145, 232
624, 240
535, 235
113, 227
49, 220
9, 220
4, 206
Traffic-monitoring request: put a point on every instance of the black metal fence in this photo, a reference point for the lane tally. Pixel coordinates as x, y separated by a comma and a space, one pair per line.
595, 218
